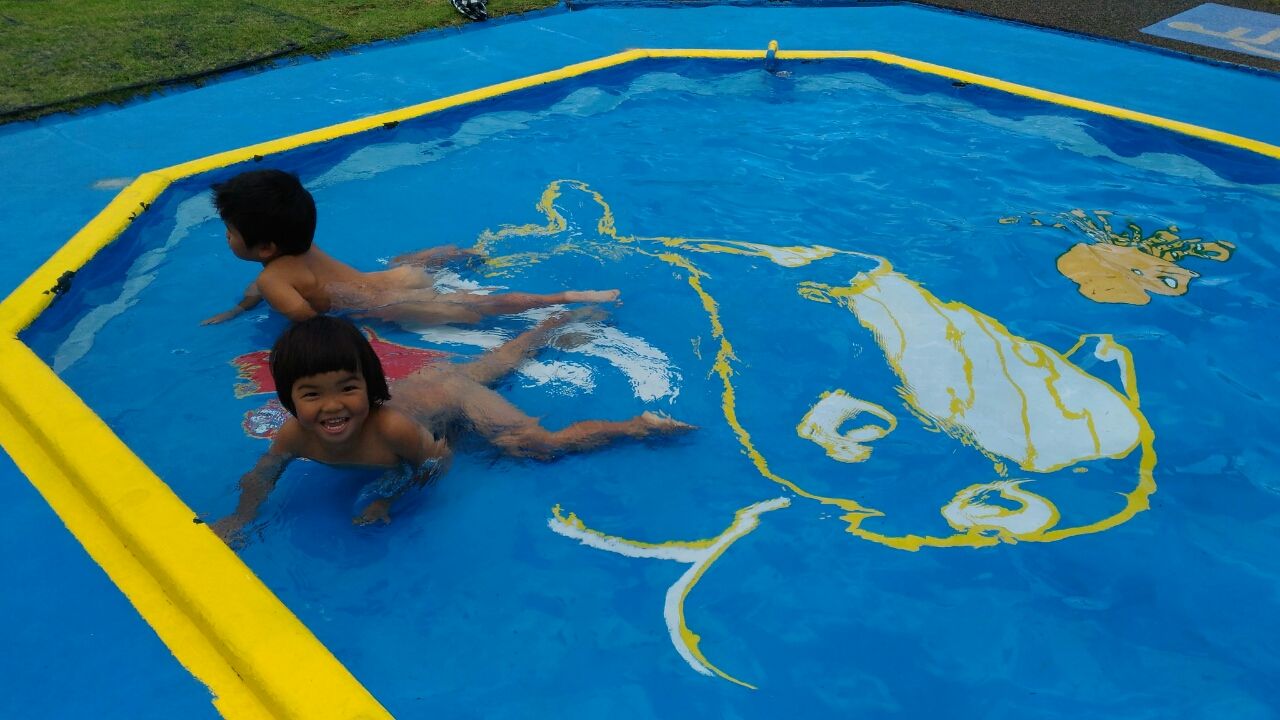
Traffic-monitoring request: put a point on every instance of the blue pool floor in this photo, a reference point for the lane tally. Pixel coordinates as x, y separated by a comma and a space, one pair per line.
76, 645
73, 643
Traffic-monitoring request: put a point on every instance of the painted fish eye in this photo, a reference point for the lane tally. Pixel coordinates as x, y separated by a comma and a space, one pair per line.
1136, 271
1171, 282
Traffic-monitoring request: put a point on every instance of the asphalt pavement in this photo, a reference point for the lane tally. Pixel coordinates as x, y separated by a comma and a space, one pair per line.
1120, 20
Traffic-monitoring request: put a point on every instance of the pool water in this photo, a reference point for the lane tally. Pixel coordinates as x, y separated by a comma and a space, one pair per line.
981, 388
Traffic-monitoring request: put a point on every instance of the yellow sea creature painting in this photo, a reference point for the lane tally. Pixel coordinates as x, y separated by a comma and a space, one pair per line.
945, 430
1128, 266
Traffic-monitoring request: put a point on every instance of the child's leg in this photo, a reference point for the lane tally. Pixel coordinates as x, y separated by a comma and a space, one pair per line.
535, 441
514, 432
433, 256
517, 302
424, 312
469, 308
498, 362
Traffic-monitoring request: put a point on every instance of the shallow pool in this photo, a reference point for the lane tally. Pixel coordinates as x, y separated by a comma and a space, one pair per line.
982, 387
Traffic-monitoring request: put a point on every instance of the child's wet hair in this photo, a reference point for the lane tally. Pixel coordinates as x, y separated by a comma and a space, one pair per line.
268, 206
325, 344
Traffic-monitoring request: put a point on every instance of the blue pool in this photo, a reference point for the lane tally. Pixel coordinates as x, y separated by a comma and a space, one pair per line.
979, 384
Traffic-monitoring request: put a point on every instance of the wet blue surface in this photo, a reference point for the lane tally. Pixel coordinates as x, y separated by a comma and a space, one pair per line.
74, 647
52, 167
470, 604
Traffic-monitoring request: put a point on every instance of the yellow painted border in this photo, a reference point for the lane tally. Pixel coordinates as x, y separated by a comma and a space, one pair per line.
220, 621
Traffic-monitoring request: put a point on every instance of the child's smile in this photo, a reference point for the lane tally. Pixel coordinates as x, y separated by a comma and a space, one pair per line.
335, 426
332, 405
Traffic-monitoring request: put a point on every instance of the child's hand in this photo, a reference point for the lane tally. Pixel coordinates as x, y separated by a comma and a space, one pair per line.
221, 317
376, 511
230, 531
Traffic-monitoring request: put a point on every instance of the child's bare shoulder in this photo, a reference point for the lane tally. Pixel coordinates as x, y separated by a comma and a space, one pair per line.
394, 424
405, 437
286, 274
290, 439
283, 267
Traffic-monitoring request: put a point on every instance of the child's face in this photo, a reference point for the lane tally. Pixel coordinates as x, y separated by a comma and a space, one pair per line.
333, 406
235, 241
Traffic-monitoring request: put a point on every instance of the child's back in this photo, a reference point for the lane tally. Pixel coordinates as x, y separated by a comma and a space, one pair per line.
314, 282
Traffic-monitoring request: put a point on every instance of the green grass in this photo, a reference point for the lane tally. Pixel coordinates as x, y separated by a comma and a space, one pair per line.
66, 54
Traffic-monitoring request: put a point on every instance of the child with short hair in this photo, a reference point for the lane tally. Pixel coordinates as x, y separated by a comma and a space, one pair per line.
330, 380
271, 218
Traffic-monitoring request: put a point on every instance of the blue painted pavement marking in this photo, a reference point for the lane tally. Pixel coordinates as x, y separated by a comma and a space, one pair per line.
1228, 28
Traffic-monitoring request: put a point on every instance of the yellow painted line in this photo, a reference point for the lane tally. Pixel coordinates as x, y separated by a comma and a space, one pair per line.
1204, 133
208, 607
219, 620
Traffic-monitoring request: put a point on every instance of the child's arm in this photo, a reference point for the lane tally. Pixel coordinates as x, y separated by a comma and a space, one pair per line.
256, 485
281, 295
251, 298
424, 458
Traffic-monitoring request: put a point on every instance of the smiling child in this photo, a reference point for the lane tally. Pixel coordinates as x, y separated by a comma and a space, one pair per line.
330, 380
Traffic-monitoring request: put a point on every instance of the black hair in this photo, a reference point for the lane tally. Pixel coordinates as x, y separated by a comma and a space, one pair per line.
325, 344
268, 206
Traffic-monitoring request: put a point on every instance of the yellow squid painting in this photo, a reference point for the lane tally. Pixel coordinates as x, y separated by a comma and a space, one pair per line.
1033, 416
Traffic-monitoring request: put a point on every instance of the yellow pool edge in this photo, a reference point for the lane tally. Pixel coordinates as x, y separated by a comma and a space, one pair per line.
214, 614
216, 617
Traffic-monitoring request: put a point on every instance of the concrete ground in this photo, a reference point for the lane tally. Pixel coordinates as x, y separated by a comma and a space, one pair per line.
1116, 19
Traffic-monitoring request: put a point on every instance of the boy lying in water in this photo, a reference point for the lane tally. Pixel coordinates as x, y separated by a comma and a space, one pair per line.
271, 218
328, 377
